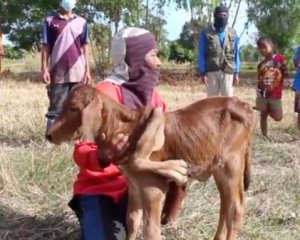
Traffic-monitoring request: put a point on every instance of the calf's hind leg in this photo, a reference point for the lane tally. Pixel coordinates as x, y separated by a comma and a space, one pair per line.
229, 180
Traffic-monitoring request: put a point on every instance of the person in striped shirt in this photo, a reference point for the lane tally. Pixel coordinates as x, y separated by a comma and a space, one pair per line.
64, 55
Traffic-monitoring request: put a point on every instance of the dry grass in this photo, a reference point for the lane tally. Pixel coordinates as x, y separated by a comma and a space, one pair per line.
36, 178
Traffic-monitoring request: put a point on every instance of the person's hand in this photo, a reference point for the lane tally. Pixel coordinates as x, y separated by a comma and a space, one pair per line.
204, 79
117, 148
46, 76
87, 78
236, 79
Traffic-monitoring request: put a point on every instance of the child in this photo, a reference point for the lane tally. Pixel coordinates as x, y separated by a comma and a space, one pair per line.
271, 72
296, 85
100, 195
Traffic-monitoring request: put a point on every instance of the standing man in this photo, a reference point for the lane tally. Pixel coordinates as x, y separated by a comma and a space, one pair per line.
218, 58
64, 55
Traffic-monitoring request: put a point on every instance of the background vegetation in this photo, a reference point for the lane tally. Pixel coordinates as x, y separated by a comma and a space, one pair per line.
36, 177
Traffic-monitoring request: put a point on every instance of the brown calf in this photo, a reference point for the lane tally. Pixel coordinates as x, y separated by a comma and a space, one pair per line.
213, 136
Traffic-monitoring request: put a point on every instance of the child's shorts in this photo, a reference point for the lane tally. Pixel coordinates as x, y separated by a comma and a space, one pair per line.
265, 104
297, 101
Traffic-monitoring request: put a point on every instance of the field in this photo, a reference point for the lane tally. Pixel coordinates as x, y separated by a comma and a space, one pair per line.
36, 177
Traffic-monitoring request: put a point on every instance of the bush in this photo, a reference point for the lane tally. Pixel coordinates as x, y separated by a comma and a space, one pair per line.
12, 52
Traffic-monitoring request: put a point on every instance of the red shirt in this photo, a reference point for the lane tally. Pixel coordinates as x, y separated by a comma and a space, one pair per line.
271, 74
91, 179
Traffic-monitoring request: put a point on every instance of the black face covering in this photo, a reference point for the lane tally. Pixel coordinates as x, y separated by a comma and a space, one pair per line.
220, 23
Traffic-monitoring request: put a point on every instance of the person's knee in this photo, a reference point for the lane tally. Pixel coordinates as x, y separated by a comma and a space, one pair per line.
277, 118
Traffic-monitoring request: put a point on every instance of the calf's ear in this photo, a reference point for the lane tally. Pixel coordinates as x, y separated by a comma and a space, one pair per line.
159, 138
91, 119
89, 95
153, 137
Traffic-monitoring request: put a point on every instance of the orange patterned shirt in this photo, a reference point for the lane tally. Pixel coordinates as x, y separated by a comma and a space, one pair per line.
271, 74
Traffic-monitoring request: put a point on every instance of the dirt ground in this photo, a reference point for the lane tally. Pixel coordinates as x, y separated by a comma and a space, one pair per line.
36, 178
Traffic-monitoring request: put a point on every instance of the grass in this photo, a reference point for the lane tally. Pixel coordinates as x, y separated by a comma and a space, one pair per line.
36, 177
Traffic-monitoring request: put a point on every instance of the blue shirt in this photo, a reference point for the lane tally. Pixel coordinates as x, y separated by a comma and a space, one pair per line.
296, 84
202, 51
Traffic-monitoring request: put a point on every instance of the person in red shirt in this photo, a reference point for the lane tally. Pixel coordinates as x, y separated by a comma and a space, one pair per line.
100, 195
271, 72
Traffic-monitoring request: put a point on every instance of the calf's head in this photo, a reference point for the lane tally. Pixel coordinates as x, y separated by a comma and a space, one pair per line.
77, 120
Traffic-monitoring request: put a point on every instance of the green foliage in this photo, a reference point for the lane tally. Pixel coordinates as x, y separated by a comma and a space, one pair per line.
100, 44
179, 54
278, 20
22, 21
164, 52
12, 52
249, 53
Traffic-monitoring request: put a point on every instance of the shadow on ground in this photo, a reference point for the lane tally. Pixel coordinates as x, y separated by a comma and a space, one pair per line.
17, 226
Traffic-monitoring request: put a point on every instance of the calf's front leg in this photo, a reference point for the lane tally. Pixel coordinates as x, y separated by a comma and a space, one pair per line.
153, 189
173, 170
134, 214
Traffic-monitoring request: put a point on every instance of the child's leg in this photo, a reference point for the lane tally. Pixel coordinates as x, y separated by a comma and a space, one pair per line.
262, 106
275, 109
264, 123
98, 220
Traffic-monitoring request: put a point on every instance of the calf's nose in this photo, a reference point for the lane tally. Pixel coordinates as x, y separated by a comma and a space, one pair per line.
49, 137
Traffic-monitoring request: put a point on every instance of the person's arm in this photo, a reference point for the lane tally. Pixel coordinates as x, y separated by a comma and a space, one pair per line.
237, 61
45, 52
84, 43
202, 58
87, 66
202, 53
89, 156
283, 67
86, 156
296, 59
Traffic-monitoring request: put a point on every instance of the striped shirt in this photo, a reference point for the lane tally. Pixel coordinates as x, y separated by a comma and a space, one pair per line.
65, 38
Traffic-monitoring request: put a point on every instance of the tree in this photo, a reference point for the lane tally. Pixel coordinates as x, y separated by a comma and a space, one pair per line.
278, 20
22, 21
249, 53
201, 15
